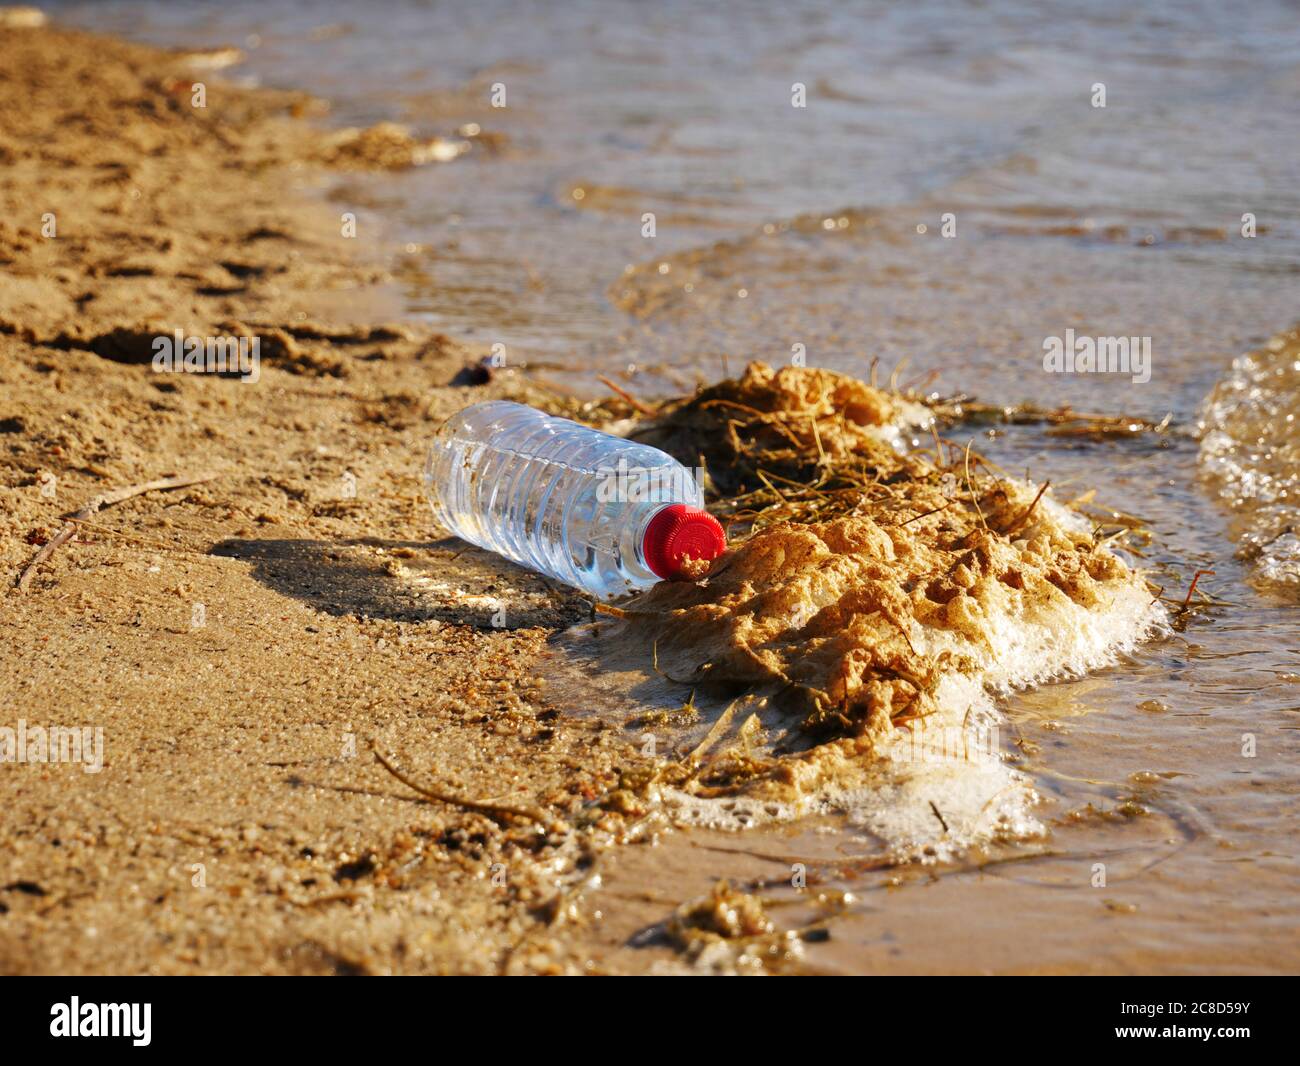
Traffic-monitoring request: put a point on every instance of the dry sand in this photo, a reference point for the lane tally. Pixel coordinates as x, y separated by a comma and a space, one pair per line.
241, 641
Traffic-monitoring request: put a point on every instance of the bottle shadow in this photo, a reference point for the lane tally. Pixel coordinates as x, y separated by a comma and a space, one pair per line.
408, 581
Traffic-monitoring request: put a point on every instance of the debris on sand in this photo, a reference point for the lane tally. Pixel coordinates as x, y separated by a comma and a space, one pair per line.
728, 929
846, 615
21, 18
213, 58
84, 514
871, 592
789, 426
388, 146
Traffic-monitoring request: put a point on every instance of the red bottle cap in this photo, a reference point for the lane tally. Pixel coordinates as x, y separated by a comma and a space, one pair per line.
678, 533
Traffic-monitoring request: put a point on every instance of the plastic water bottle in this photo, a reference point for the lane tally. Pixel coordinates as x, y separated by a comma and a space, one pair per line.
604, 514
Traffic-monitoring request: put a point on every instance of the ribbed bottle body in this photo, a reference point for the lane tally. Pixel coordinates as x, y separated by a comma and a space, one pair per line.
553, 495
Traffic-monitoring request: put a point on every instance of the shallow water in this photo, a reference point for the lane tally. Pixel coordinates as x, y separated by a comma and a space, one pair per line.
779, 226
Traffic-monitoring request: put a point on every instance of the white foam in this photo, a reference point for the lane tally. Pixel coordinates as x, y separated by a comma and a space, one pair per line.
1250, 450
909, 417
929, 799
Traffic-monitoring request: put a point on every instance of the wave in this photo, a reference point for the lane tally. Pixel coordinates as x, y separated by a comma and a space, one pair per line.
1250, 454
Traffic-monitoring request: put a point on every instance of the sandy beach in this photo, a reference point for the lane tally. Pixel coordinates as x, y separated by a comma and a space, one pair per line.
304, 732
240, 823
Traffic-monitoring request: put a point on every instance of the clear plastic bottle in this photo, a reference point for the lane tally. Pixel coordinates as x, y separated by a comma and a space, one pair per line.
604, 514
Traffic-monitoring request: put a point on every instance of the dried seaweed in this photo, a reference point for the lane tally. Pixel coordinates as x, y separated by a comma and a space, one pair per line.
843, 546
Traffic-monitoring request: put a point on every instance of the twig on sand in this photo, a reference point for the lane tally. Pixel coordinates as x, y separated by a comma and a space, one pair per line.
489, 807
654, 662
618, 390
104, 499
1023, 516
926, 514
715, 731
971, 489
